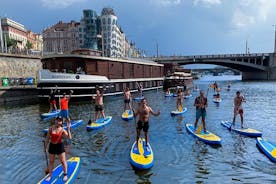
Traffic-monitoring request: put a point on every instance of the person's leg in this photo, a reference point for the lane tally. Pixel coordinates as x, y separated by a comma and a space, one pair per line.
241, 114
203, 122
51, 166
102, 112
96, 115
146, 137
129, 105
197, 117
138, 131
64, 165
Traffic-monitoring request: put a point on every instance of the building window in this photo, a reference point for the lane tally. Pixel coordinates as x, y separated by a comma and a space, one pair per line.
109, 20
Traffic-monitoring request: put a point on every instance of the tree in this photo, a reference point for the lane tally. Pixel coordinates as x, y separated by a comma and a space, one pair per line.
11, 42
29, 45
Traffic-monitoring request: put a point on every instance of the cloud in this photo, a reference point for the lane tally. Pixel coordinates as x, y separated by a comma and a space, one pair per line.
166, 3
59, 4
207, 3
250, 12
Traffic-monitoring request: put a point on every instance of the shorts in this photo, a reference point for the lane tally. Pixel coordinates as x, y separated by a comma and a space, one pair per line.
142, 125
239, 111
127, 100
56, 149
64, 113
200, 113
53, 102
99, 108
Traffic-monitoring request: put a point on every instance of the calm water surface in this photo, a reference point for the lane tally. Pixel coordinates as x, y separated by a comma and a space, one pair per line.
179, 158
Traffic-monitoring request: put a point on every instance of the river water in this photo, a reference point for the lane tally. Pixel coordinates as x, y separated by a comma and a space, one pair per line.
179, 157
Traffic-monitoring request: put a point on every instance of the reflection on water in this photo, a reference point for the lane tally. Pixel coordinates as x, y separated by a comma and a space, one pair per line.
179, 157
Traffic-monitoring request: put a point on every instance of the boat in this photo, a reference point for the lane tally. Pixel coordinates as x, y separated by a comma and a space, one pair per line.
217, 100
177, 112
49, 115
127, 115
243, 131
140, 157
73, 167
84, 74
178, 79
268, 148
74, 124
206, 137
100, 123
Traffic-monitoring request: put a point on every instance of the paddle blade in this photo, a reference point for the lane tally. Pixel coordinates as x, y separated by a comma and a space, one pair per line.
199, 129
180, 108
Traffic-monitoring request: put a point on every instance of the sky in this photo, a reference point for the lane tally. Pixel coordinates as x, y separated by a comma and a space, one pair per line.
176, 27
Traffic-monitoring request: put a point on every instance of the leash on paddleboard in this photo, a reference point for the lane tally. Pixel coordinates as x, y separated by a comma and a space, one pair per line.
46, 157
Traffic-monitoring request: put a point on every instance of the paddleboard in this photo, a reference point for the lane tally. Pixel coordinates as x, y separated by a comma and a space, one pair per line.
216, 100
207, 137
138, 99
127, 115
244, 131
140, 156
268, 148
100, 123
176, 112
57, 174
49, 115
188, 96
174, 95
74, 124
169, 95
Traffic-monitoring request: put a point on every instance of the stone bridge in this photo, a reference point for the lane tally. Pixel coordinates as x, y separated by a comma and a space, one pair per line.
255, 66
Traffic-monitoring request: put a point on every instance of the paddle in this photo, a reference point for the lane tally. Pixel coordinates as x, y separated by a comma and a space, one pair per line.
46, 157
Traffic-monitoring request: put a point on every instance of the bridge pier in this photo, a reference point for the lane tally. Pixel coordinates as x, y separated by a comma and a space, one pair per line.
256, 75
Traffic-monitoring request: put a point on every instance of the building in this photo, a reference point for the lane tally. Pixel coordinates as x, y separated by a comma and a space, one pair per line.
89, 30
93, 32
14, 37
61, 38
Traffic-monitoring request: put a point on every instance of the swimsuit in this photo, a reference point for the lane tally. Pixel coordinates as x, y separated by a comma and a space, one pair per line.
143, 125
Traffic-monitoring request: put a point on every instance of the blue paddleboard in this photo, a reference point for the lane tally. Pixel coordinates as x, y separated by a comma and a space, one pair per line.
100, 123
177, 112
49, 115
243, 131
268, 148
57, 174
74, 124
141, 157
207, 137
138, 99
169, 95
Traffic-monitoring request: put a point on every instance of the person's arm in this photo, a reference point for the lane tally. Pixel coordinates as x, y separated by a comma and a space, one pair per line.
196, 104
47, 138
67, 132
104, 89
71, 92
154, 113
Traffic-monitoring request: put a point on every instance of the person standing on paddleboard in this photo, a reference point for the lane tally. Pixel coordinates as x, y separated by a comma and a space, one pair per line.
52, 100
238, 109
64, 113
143, 111
201, 104
140, 89
179, 100
127, 98
56, 146
99, 105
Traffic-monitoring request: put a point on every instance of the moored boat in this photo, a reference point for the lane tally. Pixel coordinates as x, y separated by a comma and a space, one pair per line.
84, 74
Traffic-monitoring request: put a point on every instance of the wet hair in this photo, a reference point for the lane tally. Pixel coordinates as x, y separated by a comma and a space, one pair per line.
64, 94
238, 92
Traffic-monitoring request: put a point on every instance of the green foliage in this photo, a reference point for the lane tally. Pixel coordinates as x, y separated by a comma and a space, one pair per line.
11, 42
29, 45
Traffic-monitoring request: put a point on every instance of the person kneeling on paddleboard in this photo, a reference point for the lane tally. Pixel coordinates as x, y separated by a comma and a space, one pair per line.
143, 111
238, 109
200, 104
56, 146
179, 100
